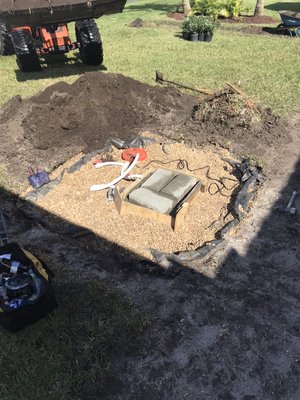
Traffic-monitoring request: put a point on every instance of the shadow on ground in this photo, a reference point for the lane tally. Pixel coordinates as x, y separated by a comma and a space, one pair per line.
235, 337
279, 6
58, 67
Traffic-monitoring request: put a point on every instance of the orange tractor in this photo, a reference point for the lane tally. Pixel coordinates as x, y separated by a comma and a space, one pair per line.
41, 29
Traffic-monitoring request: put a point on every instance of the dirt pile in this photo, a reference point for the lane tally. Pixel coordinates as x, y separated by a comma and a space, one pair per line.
95, 108
228, 117
65, 120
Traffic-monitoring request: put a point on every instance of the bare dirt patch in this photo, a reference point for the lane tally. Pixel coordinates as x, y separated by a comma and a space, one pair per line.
232, 337
177, 15
250, 19
247, 19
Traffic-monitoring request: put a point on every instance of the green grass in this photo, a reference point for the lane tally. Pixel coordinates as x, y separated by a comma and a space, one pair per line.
68, 354
267, 67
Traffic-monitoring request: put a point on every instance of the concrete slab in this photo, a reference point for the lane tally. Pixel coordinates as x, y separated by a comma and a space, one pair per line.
159, 179
145, 197
179, 186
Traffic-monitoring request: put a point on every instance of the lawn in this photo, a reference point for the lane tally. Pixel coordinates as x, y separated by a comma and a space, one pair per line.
267, 67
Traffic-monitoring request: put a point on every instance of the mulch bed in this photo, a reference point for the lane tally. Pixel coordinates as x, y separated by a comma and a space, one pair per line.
248, 19
251, 20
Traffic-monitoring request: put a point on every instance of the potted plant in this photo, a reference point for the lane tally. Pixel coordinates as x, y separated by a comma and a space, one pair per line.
193, 28
201, 27
210, 28
186, 29
189, 28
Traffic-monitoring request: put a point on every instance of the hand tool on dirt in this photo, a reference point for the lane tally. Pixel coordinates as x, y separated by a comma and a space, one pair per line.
160, 78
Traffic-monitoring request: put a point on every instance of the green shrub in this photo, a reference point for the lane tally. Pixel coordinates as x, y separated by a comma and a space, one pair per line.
206, 7
219, 8
199, 24
185, 25
234, 8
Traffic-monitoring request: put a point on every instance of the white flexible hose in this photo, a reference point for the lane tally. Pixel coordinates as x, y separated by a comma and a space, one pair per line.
124, 172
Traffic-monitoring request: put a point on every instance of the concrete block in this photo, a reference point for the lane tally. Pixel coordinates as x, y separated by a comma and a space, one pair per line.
145, 197
179, 186
159, 179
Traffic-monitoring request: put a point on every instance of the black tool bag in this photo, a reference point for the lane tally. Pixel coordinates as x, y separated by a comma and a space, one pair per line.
26, 292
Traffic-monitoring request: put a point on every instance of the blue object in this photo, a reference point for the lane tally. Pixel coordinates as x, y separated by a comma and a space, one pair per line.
38, 179
17, 303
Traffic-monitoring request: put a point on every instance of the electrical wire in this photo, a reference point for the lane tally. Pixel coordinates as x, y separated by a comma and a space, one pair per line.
219, 183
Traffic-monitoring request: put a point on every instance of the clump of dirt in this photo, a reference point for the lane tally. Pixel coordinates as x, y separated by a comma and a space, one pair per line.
230, 117
177, 15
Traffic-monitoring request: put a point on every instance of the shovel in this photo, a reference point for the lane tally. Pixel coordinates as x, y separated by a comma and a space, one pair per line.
160, 78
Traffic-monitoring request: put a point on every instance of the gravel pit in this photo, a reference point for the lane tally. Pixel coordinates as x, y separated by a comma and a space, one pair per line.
73, 201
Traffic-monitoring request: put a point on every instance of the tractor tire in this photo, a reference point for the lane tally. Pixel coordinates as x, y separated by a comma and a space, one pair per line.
6, 46
88, 37
27, 58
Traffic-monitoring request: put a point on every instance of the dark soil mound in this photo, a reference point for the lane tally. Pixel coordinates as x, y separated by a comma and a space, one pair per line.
95, 108
66, 119
228, 117
137, 23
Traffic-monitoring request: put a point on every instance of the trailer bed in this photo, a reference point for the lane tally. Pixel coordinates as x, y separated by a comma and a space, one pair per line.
37, 13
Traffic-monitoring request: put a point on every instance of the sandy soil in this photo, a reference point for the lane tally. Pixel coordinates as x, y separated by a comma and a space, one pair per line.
73, 201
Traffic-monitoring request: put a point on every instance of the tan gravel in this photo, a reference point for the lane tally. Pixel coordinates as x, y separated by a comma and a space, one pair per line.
73, 201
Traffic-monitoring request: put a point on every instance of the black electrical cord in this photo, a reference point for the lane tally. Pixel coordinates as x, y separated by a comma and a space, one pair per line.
219, 183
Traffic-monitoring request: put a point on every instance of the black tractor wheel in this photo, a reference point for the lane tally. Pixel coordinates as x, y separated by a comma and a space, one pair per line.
27, 58
88, 37
6, 46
